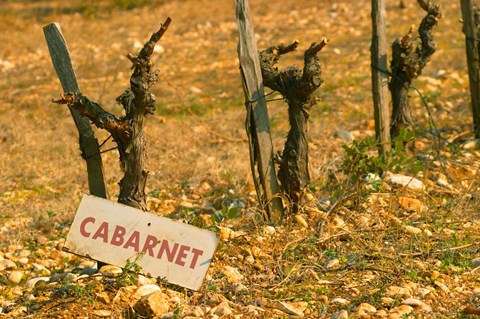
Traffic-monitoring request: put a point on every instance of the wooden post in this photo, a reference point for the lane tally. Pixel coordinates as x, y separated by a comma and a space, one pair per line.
257, 121
471, 40
380, 76
88, 143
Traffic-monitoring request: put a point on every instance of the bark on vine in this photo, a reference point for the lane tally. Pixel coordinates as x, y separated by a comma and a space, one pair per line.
127, 131
297, 87
408, 61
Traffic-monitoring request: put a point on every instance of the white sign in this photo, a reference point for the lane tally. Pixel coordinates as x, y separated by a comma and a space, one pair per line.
114, 233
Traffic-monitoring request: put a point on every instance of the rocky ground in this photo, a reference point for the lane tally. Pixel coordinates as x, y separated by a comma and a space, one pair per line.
402, 244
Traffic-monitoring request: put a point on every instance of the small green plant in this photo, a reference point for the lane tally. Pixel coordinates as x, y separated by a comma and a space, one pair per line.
129, 271
177, 313
227, 212
361, 162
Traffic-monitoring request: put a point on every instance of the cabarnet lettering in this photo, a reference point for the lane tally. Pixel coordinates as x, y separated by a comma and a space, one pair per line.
115, 234
146, 244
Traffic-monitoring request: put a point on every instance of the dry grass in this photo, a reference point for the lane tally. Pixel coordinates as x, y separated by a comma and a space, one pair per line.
198, 135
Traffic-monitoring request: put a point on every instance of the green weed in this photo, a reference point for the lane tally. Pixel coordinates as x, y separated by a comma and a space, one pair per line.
361, 162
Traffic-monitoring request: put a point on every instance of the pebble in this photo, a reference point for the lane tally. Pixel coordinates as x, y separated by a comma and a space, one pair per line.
222, 309
400, 312
334, 263
32, 282
412, 230
141, 280
475, 262
226, 233
417, 304
196, 312
103, 297
410, 204
341, 301
342, 314
395, 291
405, 181
24, 253
216, 299
144, 291
289, 309
442, 286
194, 90
102, 313
343, 135
470, 145
233, 275
252, 310
365, 310
23, 260
442, 182
6, 264
299, 219
153, 304
41, 269
110, 271
422, 292
270, 230
323, 299
15, 277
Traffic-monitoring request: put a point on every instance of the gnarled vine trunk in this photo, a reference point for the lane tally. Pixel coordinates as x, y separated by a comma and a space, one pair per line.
127, 131
297, 87
407, 63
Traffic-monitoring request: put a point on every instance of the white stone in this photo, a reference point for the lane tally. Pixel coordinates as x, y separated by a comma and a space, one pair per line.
475, 262
301, 221
32, 282
110, 271
15, 277
143, 280
194, 90
342, 314
442, 286
422, 292
102, 313
417, 304
41, 269
405, 181
223, 309
6, 264
23, 261
232, 274
289, 309
400, 312
395, 291
144, 291
365, 309
334, 263
341, 301
470, 145
151, 305
270, 230
24, 253
412, 230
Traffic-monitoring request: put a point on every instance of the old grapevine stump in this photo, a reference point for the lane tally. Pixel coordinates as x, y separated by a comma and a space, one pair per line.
127, 131
408, 61
297, 87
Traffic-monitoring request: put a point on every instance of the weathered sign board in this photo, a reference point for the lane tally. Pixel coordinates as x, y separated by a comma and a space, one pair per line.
114, 233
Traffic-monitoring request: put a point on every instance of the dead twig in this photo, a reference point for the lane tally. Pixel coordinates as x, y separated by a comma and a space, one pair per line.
439, 251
